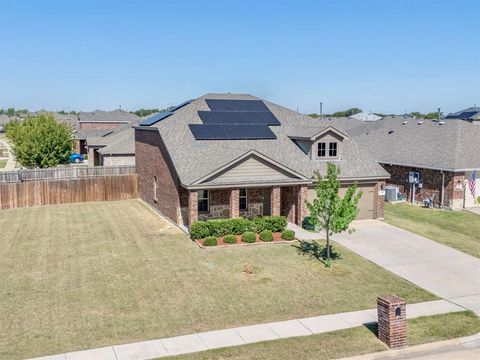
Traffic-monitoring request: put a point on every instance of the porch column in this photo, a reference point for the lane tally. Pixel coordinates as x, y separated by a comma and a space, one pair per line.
234, 203
275, 201
192, 207
301, 206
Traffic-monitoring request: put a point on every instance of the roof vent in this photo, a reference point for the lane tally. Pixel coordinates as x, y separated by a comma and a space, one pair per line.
441, 122
390, 132
420, 123
404, 123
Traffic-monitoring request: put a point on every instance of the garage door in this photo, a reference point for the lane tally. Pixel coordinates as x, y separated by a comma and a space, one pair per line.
366, 203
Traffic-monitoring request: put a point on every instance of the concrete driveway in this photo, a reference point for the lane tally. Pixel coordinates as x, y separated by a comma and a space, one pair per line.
444, 271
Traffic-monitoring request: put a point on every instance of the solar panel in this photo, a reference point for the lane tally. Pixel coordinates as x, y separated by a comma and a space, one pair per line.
156, 118
231, 132
236, 105
463, 115
180, 106
238, 117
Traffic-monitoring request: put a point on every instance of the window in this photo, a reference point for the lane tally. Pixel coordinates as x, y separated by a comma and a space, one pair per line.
243, 199
203, 201
155, 188
332, 149
322, 149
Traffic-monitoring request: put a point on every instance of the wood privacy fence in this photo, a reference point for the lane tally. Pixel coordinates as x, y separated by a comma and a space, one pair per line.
64, 173
99, 188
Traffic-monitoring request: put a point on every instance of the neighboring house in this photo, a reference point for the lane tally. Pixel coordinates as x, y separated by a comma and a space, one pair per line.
226, 155
100, 123
3, 120
444, 153
470, 114
363, 116
115, 148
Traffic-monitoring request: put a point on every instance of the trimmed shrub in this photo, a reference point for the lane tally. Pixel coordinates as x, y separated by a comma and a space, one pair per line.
238, 226
249, 237
230, 239
288, 235
210, 241
266, 235
307, 223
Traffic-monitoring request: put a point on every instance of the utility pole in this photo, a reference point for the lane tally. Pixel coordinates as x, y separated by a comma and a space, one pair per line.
438, 114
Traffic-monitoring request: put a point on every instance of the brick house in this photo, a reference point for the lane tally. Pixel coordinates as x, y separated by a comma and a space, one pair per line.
444, 153
225, 155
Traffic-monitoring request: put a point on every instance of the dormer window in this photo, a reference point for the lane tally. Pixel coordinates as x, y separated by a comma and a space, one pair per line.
322, 149
332, 149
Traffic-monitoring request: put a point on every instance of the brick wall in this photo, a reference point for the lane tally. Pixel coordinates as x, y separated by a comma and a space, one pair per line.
152, 160
392, 321
432, 184
380, 207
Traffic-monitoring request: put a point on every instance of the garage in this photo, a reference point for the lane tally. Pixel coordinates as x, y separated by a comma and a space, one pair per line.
366, 204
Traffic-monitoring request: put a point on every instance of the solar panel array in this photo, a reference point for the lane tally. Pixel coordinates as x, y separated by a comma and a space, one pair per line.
235, 120
160, 116
231, 132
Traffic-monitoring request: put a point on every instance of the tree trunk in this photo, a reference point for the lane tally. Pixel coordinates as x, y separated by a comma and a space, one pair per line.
328, 243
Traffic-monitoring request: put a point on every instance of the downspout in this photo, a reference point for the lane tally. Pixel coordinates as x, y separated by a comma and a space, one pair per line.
442, 194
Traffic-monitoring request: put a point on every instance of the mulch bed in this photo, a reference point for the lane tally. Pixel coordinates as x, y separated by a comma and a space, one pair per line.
277, 239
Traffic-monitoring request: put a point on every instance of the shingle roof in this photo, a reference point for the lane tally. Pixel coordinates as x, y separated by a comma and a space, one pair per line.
194, 159
122, 142
448, 145
472, 113
108, 116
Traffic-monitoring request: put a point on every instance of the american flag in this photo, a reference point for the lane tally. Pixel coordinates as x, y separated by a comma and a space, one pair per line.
471, 182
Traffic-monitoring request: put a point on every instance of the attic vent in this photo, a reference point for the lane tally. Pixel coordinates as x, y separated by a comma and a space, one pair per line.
390, 132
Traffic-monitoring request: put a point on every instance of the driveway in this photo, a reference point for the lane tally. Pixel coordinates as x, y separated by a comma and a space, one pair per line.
444, 271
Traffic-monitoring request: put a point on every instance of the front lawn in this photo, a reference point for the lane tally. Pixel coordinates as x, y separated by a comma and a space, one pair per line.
457, 229
88, 275
343, 343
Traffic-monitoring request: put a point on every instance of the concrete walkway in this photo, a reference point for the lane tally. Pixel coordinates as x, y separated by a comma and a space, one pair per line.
442, 270
10, 165
247, 334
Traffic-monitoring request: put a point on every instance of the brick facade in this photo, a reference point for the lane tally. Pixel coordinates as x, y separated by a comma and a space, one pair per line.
293, 204
275, 201
152, 161
432, 185
380, 204
234, 203
392, 321
192, 206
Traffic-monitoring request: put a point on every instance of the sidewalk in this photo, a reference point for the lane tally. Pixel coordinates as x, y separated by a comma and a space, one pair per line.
247, 334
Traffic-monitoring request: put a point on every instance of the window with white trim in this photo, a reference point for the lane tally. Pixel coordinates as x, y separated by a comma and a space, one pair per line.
242, 199
332, 149
322, 149
203, 201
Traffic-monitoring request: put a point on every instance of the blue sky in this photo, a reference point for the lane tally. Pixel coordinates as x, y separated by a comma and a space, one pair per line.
383, 56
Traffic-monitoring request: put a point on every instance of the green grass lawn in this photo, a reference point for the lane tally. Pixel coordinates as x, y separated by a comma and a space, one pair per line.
3, 162
457, 229
88, 275
343, 343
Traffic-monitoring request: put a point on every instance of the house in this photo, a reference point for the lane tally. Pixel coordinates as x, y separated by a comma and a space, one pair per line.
470, 114
363, 116
443, 153
113, 148
227, 155
99, 123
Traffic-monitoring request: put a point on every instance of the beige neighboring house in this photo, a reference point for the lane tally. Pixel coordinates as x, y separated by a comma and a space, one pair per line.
113, 149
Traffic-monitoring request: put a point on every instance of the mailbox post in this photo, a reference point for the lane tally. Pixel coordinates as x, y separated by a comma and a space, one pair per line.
392, 321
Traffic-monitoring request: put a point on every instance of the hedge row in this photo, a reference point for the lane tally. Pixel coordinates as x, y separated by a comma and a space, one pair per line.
237, 226
249, 237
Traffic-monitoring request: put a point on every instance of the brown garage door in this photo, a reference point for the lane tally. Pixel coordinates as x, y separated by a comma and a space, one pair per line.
366, 203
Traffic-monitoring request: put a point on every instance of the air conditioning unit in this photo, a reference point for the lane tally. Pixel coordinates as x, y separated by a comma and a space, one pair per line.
391, 193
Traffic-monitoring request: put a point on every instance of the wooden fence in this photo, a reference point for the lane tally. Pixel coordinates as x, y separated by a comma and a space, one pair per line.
63, 173
98, 188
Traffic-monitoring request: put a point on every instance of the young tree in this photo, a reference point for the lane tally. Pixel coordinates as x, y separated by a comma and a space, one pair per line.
329, 212
40, 141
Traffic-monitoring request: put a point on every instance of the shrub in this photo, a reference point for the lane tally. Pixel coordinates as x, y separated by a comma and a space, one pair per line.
266, 235
249, 237
199, 230
240, 225
230, 239
210, 241
307, 223
272, 223
219, 227
288, 234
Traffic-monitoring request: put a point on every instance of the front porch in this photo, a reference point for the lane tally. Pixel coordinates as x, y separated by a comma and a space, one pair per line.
214, 203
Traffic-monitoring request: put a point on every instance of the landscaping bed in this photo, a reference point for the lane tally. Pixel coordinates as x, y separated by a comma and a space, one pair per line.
277, 239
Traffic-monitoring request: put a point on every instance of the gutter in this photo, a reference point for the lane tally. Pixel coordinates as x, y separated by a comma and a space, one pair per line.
425, 167
146, 128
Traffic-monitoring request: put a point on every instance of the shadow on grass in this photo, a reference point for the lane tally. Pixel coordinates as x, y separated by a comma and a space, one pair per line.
316, 251
372, 327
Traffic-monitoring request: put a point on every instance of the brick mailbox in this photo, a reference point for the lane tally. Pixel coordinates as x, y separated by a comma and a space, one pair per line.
392, 321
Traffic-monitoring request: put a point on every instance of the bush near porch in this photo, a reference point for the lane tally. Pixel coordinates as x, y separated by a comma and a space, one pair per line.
237, 226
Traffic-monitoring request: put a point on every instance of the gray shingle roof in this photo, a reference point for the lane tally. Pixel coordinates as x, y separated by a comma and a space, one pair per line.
108, 116
194, 159
472, 113
121, 142
453, 145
